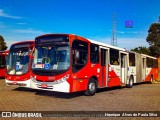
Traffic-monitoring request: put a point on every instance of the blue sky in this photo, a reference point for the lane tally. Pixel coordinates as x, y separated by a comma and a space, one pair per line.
25, 19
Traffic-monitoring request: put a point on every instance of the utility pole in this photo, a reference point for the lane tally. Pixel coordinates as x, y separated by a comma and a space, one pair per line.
114, 32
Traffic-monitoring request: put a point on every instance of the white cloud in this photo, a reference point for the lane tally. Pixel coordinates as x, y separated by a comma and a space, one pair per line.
135, 32
130, 43
2, 25
16, 35
130, 32
21, 23
27, 31
3, 14
14, 38
121, 32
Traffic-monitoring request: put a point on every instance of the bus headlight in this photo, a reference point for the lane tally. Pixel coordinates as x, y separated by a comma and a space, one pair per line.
33, 79
63, 79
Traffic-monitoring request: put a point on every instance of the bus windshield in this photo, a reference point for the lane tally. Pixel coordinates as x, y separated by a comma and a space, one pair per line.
51, 58
17, 61
2, 61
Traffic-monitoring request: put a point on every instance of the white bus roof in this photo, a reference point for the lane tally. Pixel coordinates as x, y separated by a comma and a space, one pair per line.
106, 45
143, 55
148, 56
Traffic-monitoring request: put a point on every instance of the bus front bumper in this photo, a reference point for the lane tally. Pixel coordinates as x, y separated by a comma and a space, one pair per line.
25, 83
50, 86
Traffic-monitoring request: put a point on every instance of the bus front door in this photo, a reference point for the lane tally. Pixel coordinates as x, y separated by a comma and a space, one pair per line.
104, 65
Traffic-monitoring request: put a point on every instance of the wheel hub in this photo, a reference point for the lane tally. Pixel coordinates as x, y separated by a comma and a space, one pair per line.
92, 87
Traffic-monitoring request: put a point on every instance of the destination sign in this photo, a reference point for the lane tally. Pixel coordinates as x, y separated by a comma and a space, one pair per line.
52, 38
20, 46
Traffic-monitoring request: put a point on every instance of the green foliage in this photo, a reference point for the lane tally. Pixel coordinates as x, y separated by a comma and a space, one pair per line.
153, 39
2, 44
154, 50
141, 49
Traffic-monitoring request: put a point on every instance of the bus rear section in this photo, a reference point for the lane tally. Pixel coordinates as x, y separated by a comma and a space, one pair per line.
3, 56
150, 68
19, 63
142, 68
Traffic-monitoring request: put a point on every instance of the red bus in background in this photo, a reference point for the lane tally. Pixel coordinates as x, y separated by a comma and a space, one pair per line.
70, 63
18, 64
3, 56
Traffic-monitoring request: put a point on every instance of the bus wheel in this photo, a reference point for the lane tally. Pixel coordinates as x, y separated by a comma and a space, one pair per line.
130, 84
92, 87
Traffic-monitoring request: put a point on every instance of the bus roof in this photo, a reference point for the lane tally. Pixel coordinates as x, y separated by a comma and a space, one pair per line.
22, 42
144, 55
54, 34
106, 45
4, 52
92, 41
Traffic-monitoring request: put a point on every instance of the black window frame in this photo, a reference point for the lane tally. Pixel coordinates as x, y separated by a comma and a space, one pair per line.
149, 62
103, 57
76, 66
114, 56
3, 62
132, 60
94, 53
155, 63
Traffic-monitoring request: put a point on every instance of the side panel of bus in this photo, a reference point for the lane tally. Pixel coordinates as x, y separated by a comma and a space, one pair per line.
139, 68
3, 56
151, 69
114, 68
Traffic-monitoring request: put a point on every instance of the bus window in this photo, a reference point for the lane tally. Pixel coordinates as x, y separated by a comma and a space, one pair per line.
131, 59
155, 63
149, 62
114, 57
2, 61
79, 54
94, 55
103, 57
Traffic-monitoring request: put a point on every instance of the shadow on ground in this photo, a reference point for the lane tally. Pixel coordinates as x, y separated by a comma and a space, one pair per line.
50, 93
68, 95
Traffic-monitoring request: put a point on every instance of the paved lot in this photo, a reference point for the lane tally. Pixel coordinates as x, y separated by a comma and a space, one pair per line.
142, 97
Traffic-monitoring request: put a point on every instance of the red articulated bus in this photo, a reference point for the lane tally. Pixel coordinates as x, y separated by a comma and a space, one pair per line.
19, 64
70, 63
3, 56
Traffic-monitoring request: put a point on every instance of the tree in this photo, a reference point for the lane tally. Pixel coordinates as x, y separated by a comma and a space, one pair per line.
2, 44
141, 49
153, 39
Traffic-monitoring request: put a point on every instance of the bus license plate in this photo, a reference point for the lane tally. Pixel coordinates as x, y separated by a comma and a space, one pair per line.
44, 85
14, 83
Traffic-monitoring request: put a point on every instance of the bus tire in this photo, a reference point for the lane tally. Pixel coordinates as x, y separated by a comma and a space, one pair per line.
130, 84
91, 88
